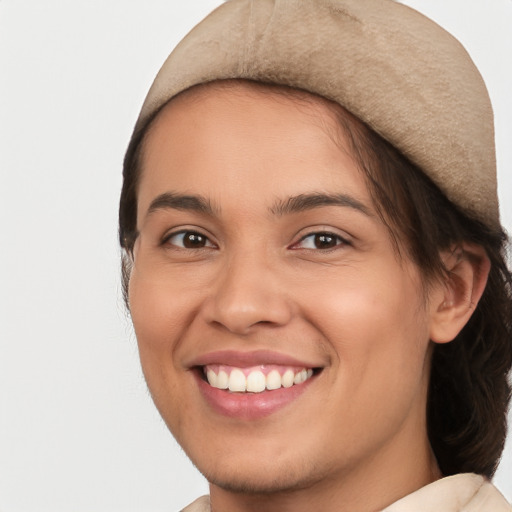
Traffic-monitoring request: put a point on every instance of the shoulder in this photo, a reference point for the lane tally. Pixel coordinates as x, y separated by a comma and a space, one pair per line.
458, 493
202, 504
488, 498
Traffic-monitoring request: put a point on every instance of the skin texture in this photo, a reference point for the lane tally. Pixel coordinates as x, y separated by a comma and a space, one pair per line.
356, 438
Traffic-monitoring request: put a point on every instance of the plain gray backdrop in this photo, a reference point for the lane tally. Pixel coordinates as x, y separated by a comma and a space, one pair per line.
78, 431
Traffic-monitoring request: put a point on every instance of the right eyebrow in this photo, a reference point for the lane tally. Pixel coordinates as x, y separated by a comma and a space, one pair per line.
303, 202
171, 200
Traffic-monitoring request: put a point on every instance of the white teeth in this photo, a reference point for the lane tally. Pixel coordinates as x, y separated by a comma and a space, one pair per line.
237, 381
222, 380
212, 378
255, 381
287, 379
300, 377
273, 380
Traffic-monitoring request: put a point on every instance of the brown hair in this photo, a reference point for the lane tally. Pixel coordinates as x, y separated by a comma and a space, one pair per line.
469, 391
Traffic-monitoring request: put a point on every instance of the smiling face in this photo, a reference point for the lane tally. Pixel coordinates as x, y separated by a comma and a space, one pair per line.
261, 264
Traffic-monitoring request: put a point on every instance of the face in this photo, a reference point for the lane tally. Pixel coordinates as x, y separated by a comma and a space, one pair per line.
282, 339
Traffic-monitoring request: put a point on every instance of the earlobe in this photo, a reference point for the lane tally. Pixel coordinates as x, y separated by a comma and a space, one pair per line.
458, 294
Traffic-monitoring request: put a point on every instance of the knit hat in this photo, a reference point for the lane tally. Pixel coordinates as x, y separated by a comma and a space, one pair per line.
396, 70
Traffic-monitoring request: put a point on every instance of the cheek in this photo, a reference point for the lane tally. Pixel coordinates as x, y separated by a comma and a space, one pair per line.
157, 315
160, 307
377, 332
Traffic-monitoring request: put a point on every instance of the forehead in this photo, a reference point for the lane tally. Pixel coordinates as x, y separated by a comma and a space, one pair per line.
206, 107
243, 134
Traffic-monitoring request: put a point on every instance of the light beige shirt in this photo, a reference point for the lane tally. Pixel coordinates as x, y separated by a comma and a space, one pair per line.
458, 493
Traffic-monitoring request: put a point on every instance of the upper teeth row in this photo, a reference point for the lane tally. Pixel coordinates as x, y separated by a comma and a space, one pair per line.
256, 381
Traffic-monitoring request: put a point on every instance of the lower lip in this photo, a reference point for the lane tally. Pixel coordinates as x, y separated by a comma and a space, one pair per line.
250, 406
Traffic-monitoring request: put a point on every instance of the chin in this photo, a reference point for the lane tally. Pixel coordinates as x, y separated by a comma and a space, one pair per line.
257, 477
250, 483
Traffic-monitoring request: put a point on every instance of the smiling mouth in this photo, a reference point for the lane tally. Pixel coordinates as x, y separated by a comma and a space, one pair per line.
256, 379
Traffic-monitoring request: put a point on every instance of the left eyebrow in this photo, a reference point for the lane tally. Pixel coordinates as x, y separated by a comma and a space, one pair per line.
303, 202
185, 202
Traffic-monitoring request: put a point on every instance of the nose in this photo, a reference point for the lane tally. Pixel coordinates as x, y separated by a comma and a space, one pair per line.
248, 292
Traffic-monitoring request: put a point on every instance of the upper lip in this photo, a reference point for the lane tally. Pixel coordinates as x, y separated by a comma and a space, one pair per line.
242, 359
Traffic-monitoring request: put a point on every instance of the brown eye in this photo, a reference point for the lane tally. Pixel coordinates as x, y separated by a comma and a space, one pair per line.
325, 241
193, 240
189, 240
322, 240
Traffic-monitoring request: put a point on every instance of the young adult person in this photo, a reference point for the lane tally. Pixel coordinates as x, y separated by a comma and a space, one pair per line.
314, 262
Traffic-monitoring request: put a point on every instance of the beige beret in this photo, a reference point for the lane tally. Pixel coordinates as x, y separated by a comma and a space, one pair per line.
395, 69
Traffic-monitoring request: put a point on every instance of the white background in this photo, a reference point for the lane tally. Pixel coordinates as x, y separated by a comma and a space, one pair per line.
78, 431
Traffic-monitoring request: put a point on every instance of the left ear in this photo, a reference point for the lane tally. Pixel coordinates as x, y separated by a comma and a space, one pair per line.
455, 298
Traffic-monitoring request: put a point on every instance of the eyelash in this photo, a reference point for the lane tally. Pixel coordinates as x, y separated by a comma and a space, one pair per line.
315, 237
190, 233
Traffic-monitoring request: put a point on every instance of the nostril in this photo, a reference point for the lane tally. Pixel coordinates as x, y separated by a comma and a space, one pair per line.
242, 298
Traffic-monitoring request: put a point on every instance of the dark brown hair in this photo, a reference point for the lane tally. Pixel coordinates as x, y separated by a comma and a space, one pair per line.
469, 391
